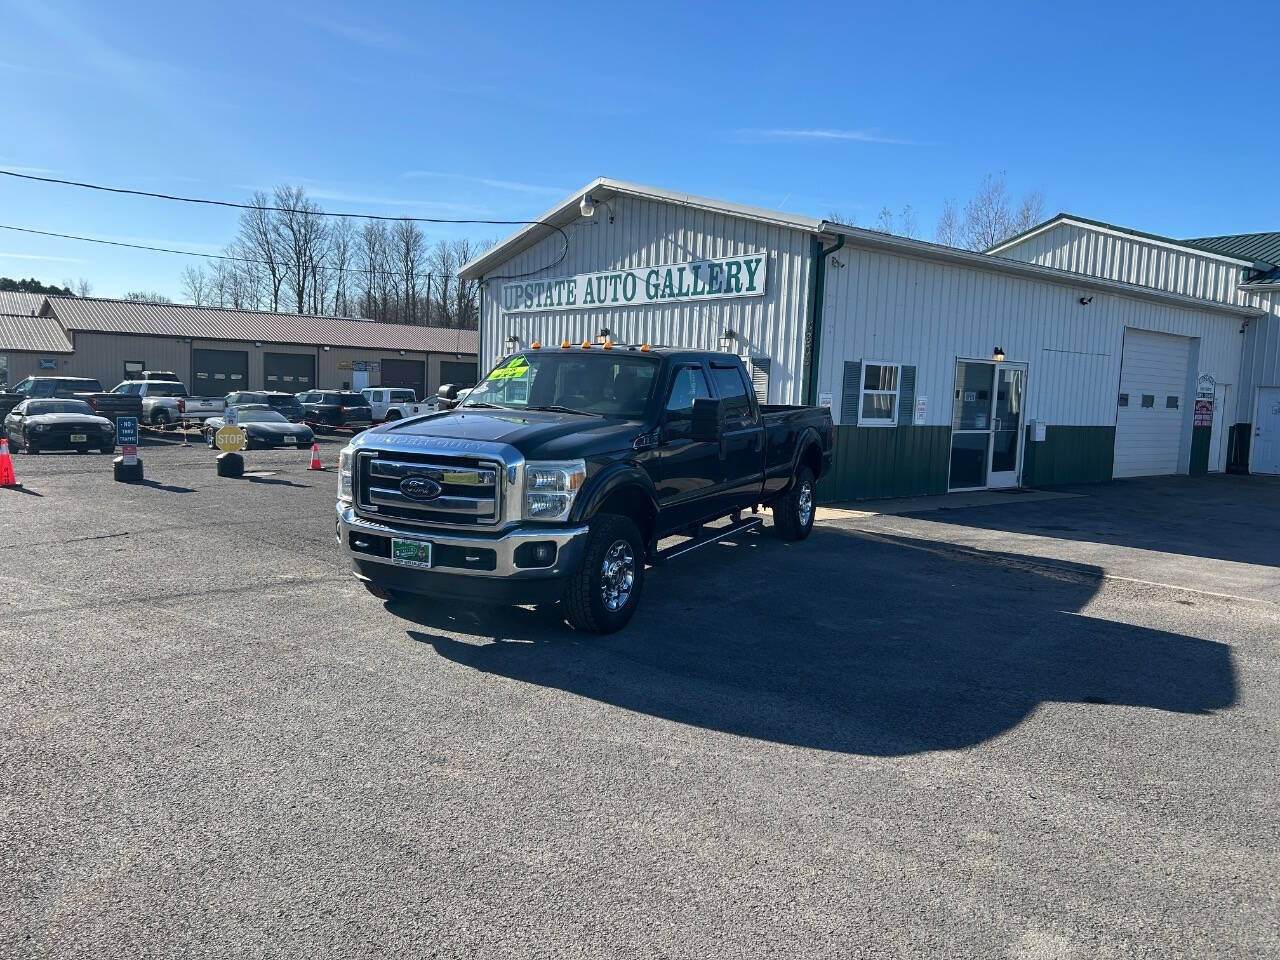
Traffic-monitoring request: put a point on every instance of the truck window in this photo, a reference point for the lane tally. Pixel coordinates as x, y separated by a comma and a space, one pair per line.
403, 396
688, 384
733, 391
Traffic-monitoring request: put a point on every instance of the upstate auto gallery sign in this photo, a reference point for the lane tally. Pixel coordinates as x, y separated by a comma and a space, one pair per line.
698, 280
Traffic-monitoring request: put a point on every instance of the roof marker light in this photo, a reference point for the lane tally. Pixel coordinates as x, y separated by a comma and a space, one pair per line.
586, 344
564, 344
644, 348
536, 345
608, 344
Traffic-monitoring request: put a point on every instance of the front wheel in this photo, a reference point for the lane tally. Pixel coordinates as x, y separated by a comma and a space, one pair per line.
602, 597
793, 512
160, 418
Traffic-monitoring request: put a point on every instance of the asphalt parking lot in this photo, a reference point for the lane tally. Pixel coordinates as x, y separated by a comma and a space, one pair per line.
1043, 729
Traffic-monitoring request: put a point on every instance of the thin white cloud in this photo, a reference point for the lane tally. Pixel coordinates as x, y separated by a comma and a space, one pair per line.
359, 35
444, 206
493, 184
38, 256
824, 133
34, 171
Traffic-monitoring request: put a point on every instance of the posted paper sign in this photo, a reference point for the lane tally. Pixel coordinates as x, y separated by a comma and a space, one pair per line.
922, 409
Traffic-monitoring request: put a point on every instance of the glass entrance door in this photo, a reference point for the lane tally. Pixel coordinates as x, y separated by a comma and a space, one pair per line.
987, 421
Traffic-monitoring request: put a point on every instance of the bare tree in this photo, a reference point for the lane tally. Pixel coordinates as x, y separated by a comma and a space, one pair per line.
410, 248
371, 257
197, 286
300, 235
989, 218
82, 287
884, 221
258, 240
839, 216
342, 257
466, 292
147, 296
908, 224
947, 232
444, 269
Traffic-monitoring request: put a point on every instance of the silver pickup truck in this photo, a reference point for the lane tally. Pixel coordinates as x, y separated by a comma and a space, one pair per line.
166, 401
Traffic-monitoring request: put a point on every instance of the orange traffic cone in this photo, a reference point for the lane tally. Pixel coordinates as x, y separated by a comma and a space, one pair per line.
7, 477
315, 457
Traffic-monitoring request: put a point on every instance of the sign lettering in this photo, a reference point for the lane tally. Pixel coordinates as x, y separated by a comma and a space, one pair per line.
699, 280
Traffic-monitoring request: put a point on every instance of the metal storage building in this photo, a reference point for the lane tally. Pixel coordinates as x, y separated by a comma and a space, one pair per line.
1241, 270
944, 369
215, 350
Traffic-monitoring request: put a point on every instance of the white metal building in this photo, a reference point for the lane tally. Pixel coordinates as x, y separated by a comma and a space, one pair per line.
944, 369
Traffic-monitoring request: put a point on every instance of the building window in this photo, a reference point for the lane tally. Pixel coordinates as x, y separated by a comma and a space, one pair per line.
878, 403
1149, 400
133, 369
1171, 403
1124, 399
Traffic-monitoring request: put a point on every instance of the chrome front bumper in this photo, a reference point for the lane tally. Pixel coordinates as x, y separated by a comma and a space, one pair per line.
570, 543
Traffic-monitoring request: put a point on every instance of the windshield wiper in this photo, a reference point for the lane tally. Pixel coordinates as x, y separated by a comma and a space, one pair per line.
556, 408
483, 403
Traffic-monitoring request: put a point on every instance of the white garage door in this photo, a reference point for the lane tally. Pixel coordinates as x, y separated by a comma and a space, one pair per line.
1152, 404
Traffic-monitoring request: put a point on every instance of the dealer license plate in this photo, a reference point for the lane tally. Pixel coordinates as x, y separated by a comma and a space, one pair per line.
411, 553
290, 439
79, 438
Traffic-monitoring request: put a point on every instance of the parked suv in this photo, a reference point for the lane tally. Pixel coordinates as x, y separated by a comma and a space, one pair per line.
336, 408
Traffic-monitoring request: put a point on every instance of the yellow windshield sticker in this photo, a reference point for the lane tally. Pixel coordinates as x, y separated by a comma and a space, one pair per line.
516, 368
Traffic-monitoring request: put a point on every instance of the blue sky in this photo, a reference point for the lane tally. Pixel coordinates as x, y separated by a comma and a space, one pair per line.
1138, 114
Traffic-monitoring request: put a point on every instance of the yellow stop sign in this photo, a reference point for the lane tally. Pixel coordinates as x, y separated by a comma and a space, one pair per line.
229, 439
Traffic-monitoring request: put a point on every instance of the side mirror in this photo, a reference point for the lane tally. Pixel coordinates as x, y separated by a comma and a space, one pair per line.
448, 391
708, 420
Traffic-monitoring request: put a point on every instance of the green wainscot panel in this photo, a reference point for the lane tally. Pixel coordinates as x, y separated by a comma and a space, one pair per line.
872, 462
1069, 455
1200, 450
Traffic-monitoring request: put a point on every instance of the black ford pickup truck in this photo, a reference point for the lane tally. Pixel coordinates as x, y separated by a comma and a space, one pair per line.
562, 470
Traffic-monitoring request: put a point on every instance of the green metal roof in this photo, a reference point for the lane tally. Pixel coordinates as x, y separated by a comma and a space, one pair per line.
1246, 246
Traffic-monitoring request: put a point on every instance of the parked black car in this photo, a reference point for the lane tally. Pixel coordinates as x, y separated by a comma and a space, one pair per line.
283, 403
263, 428
334, 408
109, 405
35, 425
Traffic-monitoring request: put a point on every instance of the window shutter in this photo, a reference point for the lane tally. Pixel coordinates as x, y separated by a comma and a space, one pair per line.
851, 391
907, 396
760, 378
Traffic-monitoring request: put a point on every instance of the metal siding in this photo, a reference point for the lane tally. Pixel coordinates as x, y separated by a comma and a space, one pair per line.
102, 355
650, 233
889, 307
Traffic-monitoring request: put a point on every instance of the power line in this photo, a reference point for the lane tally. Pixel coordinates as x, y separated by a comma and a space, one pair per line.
207, 201
193, 253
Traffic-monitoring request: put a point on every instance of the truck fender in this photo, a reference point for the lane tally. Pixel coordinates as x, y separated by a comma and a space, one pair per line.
808, 439
615, 477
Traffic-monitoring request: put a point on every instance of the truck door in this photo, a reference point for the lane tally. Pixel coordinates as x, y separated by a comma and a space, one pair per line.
687, 470
742, 471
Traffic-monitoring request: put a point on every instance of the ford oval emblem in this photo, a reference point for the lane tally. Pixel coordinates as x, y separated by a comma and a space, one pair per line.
420, 488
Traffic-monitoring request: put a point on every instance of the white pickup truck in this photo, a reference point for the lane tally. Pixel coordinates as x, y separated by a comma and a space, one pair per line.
396, 403
166, 401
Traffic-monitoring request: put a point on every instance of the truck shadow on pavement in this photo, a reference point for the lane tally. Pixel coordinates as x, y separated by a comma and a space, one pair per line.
880, 645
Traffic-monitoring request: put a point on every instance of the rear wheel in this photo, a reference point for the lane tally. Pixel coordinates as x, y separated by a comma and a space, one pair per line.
603, 596
793, 512
160, 418
393, 414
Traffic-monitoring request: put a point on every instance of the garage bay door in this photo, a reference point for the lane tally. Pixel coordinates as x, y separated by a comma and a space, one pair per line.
1153, 403
288, 372
459, 373
405, 375
217, 372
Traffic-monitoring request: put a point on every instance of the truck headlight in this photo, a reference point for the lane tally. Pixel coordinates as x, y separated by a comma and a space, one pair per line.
550, 486
345, 460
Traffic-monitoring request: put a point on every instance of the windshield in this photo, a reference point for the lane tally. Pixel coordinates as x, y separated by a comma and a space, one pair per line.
285, 401
36, 408
260, 416
604, 384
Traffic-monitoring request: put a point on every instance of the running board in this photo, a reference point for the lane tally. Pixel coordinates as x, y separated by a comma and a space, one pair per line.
712, 536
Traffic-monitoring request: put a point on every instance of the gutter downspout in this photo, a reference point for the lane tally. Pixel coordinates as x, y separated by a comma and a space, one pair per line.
813, 334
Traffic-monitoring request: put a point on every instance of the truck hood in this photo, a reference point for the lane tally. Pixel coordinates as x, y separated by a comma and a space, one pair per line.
539, 435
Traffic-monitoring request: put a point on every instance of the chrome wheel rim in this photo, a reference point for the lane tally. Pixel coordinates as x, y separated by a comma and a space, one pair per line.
617, 576
805, 503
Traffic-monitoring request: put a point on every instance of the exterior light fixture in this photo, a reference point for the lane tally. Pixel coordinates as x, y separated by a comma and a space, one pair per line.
513, 341
728, 339
257, 343
326, 349
588, 206
402, 353
998, 354
604, 334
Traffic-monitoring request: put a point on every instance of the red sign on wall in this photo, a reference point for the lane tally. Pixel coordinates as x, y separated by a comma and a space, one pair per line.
1204, 412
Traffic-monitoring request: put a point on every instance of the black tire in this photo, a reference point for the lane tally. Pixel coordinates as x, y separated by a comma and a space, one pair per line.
160, 418
614, 567
793, 512
393, 415
107, 450
28, 447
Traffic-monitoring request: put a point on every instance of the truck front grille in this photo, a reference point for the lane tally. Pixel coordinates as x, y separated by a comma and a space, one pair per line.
468, 488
